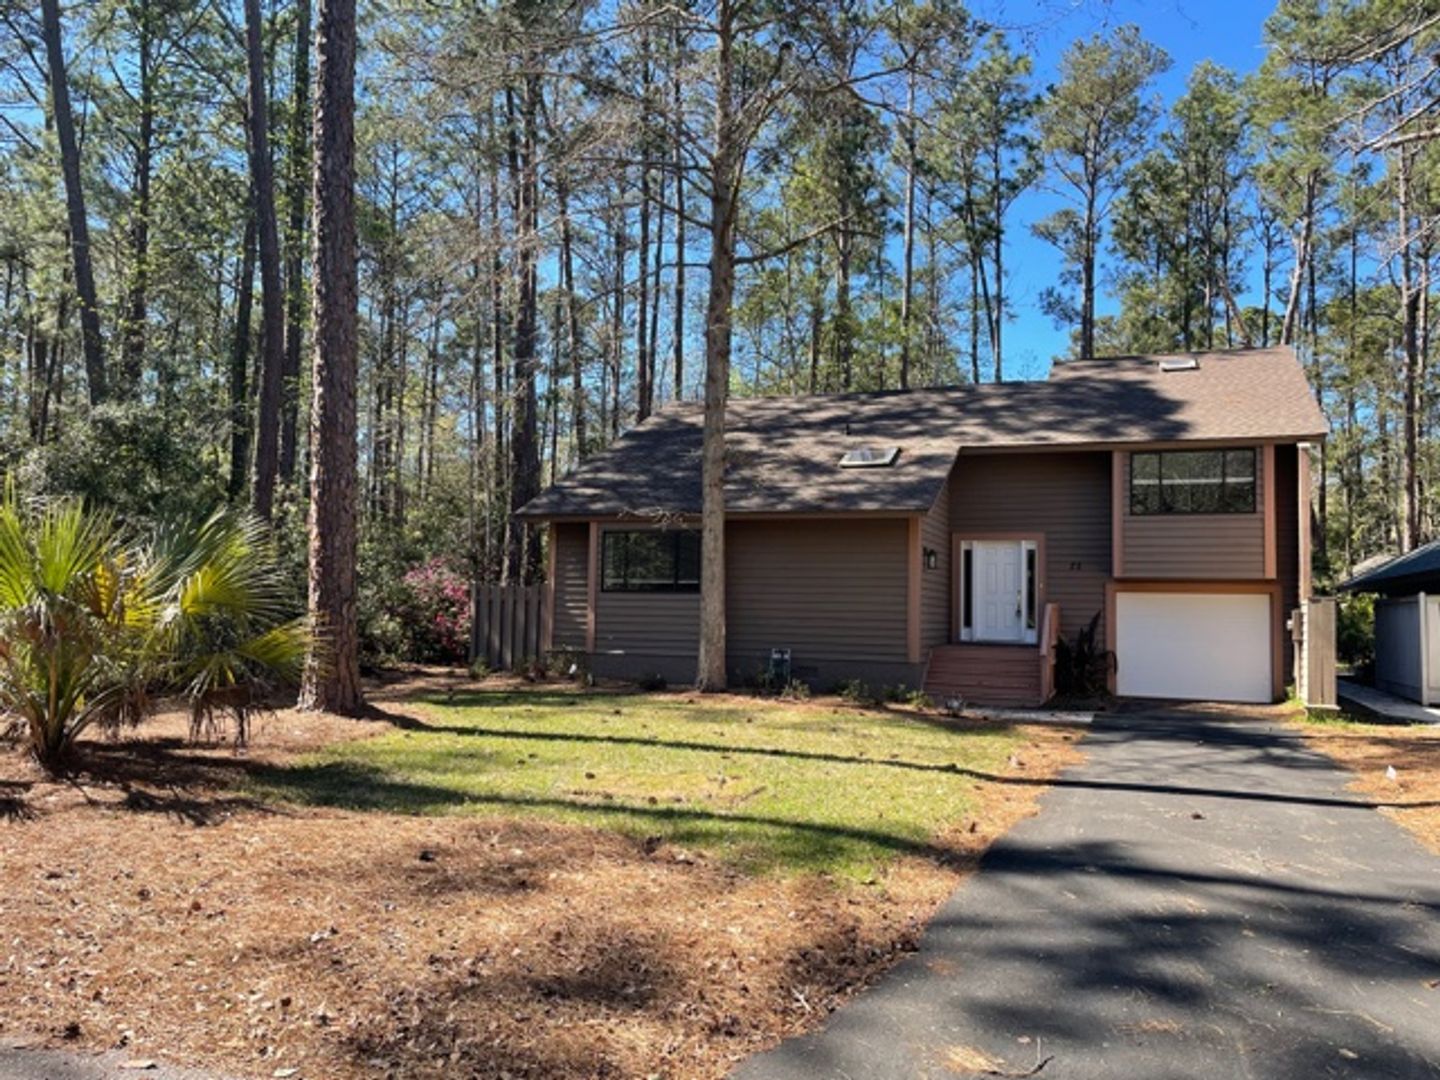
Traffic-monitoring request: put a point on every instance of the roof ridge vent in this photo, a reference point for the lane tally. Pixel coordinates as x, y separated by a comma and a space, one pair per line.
1182, 363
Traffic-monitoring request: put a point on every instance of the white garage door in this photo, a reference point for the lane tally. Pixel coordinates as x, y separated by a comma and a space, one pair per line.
1197, 646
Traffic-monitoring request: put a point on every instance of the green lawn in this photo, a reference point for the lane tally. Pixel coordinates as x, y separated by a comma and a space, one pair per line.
766, 785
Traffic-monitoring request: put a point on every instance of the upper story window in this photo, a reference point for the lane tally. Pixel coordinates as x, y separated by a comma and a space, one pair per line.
650, 560
1193, 482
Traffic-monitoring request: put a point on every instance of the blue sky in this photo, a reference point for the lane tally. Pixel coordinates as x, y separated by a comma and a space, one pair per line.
1229, 32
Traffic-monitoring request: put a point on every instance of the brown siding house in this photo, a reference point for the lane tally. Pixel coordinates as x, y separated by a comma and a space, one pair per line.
947, 538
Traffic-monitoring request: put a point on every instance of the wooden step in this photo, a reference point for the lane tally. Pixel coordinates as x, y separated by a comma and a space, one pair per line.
998, 675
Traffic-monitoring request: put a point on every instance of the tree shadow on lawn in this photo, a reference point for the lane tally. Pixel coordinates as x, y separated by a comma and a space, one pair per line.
1258, 745
13, 803
759, 842
197, 784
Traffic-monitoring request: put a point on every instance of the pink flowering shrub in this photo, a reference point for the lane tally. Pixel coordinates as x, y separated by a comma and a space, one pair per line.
439, 615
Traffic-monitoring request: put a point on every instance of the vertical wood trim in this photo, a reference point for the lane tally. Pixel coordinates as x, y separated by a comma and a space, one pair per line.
1117, 513
1302, 472
912, 591
1277, 645
957, 584
547, 608
592, 585
1423, 639
1267, 469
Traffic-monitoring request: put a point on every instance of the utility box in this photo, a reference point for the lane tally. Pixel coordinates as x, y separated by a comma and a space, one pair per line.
779, 671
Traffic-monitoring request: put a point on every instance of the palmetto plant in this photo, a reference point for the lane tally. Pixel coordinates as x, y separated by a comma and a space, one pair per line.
95, 626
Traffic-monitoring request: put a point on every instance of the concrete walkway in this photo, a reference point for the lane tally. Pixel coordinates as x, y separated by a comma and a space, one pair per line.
1385, 707
1198, 899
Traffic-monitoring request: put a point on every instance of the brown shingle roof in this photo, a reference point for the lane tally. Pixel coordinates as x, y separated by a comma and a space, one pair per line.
784, 452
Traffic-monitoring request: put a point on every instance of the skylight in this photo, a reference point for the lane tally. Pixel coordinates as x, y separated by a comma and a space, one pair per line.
870, 457
1186, 363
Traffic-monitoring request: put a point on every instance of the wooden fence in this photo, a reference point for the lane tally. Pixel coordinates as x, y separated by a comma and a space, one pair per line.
509, 625
1312, 626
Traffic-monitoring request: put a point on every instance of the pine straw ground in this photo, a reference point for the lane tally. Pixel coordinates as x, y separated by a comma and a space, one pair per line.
1412, 798
162, 901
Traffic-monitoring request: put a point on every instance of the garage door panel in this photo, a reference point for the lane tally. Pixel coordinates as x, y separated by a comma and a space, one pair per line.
1197, 646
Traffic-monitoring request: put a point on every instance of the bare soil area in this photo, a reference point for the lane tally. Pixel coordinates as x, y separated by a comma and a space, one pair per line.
1411, 793
152, 903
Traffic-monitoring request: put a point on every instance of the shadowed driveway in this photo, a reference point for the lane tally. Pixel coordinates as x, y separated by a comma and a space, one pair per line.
1200, 898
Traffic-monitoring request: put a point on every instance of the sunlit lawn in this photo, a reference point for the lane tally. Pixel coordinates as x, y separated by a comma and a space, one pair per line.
768, 786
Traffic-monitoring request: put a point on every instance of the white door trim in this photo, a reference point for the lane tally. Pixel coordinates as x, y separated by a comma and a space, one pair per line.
991, 559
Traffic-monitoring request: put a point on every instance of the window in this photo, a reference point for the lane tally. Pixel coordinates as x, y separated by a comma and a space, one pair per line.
1193, 482
650, 560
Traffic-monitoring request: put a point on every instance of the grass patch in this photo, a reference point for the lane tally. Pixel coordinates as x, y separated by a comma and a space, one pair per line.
769, 787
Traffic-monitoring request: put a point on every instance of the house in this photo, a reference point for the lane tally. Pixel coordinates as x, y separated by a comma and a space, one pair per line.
1407, 622
945, 538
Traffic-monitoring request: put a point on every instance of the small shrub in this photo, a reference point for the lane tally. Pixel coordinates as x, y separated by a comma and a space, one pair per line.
480, 669
439, 611
652, 682
856, 691
1082, 667
567, 663
1355, 631
918, 699
795, 690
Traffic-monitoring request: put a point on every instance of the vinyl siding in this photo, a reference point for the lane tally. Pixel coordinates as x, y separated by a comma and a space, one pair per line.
1063, 496
647, 624
826, 590
1195, 546
572, 554
935, 585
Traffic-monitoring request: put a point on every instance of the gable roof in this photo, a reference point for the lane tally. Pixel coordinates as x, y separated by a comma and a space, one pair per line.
1415, 571
784, 452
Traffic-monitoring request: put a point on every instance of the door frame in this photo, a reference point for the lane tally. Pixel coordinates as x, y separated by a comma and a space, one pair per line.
958, 540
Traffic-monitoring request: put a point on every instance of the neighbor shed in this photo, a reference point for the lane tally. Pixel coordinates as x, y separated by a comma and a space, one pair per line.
1407, 622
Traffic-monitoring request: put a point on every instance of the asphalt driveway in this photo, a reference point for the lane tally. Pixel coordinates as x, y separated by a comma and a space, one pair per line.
1200, 898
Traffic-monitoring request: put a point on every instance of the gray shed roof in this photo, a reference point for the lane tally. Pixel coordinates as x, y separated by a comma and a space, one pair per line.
784, 452
1415, 571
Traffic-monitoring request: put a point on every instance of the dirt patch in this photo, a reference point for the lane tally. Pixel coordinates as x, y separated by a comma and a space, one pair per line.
1411, 793
161, 912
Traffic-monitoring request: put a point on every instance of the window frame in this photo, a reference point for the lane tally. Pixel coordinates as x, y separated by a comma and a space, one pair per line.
1226, 484
674, 586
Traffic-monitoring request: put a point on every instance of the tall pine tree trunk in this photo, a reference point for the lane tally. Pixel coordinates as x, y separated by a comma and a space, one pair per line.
240, 363
678, 315
1087, 278
524, 437
907, 278
272, 313
728, 162
332, 672
132, 349
77, 221
299, 165
572, 324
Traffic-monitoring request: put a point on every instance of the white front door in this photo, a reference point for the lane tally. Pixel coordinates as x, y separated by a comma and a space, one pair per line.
999, 583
